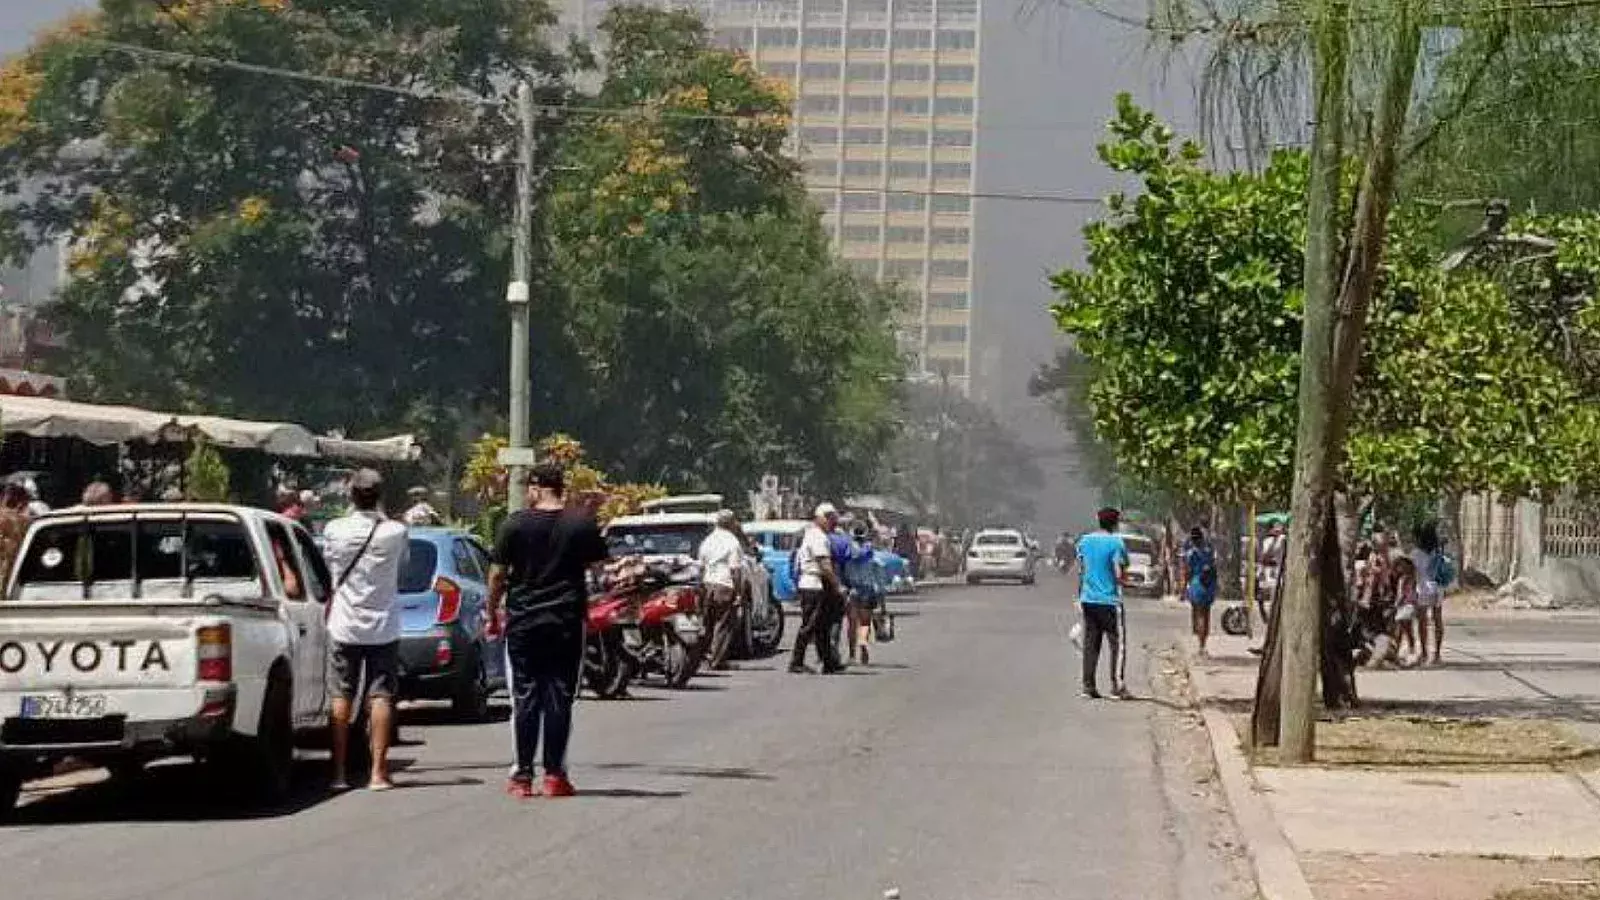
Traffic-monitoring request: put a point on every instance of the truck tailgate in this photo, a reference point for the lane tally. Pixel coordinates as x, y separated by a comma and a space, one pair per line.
98, 652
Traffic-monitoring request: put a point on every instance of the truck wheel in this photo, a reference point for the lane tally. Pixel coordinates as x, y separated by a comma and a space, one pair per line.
261, 766
10, 792
470, 702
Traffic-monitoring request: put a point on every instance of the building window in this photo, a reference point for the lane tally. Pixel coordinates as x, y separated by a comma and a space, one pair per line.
825, 7
819, 103
952, 138
823, 199
863, 72
948, 300
953, 106
952, 235
865, 105
908, 137
902, 269
864, 136
866, 267
859, 233
949, 268
952, 203
905, 234
903, 202
824, 37
908, 168
736, 38
781, 37
962, 39
780, 70
821, 71
862, 201
819, 134
952, 170
826, 168
862, 168
953, 368
912, 71
913, 39
869, 39
954, 75
947, 334
868, 9
911, 106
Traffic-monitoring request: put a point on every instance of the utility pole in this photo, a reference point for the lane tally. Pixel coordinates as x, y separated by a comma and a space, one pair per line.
518, 457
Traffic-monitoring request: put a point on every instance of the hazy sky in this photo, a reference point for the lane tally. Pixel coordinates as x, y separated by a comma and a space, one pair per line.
1050, 74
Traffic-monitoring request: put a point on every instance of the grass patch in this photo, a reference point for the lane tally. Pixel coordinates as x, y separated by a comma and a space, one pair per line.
1448, 743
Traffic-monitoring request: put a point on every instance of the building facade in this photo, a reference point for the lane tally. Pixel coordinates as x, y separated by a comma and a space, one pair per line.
886, 105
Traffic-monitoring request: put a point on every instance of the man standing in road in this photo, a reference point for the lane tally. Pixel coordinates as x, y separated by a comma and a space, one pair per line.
721, 564
1102, 560
542, 558
365, 551
820, 593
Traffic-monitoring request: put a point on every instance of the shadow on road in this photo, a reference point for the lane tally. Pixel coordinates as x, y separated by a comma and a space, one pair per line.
176, 792
731, 773
630, 793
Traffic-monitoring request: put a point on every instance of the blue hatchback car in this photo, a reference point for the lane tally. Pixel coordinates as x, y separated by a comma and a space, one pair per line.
444, 651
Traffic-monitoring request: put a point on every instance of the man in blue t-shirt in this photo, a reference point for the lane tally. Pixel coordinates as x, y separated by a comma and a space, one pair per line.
1102, 559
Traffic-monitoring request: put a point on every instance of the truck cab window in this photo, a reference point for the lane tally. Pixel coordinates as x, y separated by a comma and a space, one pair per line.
316, 569
288, 568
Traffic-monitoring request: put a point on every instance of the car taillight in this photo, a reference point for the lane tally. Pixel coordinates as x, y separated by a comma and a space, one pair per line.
449, 600
214, 652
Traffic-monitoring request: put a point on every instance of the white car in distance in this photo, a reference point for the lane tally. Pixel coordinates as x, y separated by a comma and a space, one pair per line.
1000, 554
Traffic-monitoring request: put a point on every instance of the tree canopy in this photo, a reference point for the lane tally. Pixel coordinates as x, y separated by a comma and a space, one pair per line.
302, 211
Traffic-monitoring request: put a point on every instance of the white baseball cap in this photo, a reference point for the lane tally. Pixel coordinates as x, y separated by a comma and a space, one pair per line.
825, 509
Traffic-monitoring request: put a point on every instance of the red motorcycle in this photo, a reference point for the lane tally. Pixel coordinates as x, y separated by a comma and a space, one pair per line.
611, 642
671, 630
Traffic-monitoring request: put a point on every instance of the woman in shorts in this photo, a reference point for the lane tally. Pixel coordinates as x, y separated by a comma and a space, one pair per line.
1200, 583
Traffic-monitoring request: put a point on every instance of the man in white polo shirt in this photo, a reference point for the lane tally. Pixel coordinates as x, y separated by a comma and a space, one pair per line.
820, 591
365, 551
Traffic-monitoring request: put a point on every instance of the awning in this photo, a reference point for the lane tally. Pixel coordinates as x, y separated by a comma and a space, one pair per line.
102, 424
400, 448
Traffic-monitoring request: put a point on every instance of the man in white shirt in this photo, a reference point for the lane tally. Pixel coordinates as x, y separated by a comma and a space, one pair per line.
421, 513
721, 565
365, 552
819, 587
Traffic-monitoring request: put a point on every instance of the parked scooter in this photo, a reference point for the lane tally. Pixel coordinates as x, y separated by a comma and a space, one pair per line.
611, 645
672, 633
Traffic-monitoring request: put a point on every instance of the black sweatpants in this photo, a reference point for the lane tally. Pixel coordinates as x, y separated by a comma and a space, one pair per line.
1104, 620
543, 666
817, 616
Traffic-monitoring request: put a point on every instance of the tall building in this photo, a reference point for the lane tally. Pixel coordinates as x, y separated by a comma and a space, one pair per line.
886, 104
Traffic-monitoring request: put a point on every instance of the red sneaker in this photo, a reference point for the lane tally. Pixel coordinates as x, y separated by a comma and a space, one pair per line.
521, 787
558, 786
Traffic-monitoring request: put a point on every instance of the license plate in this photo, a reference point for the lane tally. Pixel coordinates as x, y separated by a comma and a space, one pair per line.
632, 638
63, 706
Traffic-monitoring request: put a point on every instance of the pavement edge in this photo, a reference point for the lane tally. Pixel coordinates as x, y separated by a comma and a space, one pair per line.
1277, 868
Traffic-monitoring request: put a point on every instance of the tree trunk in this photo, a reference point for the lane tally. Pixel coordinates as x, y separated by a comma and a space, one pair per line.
1264, 717
1329, 369
1297, 617
1338, 648
1349, 527
1225, 539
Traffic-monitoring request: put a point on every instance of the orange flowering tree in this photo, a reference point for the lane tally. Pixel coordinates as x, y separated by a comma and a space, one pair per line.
486, 480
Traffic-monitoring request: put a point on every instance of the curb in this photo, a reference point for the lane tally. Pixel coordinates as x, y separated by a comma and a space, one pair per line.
1277, 867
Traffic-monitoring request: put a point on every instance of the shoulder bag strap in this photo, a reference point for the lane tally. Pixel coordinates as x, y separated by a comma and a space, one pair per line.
351, 566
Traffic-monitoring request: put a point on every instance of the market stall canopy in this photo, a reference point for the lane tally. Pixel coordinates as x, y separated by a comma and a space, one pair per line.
101, 424
400, 448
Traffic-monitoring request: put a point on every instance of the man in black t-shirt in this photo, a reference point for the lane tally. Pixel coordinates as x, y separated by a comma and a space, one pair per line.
542, 558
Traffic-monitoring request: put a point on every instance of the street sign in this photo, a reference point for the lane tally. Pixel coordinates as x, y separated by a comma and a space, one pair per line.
518, 456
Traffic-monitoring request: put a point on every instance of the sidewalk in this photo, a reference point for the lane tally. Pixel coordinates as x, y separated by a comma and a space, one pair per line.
1452, 829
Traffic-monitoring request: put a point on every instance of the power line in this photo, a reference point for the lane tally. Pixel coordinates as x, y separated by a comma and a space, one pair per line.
972, 195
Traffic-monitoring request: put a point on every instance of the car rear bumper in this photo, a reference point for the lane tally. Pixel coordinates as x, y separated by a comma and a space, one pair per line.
431, 661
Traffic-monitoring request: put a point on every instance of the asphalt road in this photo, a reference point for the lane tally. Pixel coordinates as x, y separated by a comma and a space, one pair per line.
961, 766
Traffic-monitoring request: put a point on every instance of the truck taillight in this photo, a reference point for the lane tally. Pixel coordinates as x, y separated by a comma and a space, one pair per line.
449, 600
214, 652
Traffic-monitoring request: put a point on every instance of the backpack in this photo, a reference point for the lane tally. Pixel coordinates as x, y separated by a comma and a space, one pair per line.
1442, 570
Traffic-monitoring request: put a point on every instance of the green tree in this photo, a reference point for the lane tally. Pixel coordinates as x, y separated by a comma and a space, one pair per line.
269, 245
205, 475
709, 333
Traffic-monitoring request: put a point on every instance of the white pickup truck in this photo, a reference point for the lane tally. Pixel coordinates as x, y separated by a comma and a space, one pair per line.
133, 632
